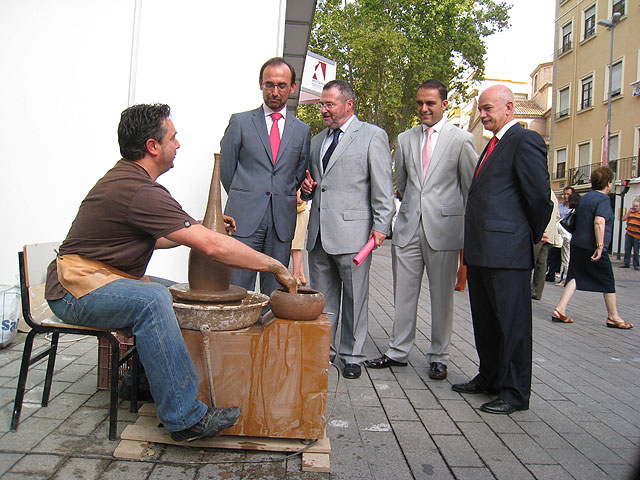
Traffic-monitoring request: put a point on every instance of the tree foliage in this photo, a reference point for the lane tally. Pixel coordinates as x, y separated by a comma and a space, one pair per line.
387, 48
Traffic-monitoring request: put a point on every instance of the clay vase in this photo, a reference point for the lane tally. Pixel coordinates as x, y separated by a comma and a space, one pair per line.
306, 304
204, 273
209, 281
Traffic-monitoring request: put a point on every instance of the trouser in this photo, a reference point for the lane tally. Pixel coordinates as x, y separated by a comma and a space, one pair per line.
501, 312
265, 240
410, 262
146, 308
631, 243
345, 287
540, 254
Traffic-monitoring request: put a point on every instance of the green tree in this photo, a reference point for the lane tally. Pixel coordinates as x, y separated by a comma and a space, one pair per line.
386, 48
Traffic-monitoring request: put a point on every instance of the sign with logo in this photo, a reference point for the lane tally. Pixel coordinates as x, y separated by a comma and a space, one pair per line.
317, 72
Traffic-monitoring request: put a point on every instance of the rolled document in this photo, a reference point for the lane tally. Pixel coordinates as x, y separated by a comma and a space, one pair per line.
366, 250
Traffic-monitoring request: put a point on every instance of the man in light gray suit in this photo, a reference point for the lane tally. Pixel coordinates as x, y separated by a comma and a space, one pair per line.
264, 155
434, 164
352, 189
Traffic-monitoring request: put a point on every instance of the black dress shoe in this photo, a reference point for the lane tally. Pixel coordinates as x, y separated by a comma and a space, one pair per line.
384, 362
351, 370
437, 371
498, 406
474, 386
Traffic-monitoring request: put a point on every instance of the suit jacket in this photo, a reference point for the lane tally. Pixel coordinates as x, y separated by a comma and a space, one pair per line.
441, 198
251, 179
508, 205
355, 193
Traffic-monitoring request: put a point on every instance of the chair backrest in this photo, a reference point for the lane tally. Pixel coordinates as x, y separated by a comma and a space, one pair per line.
34, 260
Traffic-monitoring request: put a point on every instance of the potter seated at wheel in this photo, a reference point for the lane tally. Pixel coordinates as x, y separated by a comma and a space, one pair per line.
98, 278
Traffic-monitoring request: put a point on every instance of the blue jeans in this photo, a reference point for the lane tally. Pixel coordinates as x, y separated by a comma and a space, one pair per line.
629, 244
147, 308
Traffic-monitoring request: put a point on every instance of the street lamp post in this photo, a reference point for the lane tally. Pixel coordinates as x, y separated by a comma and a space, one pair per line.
611, 25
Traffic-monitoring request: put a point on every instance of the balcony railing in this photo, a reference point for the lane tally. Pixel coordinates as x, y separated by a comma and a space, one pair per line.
564, 48
628, 167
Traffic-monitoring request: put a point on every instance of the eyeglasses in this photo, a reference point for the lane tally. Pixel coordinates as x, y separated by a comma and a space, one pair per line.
270, 86
327, 105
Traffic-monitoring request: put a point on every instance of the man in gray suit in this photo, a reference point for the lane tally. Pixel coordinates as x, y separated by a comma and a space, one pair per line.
352, 202
264, 155
434, 165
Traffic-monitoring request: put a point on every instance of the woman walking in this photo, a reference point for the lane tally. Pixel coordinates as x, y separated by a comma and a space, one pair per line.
589, 265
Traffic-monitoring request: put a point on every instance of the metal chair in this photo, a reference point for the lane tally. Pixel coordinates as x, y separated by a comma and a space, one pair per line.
33, 261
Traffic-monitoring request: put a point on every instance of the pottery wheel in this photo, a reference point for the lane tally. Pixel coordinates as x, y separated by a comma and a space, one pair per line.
182, 291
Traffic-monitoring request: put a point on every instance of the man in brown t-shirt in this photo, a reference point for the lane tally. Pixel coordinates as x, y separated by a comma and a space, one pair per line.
125, 216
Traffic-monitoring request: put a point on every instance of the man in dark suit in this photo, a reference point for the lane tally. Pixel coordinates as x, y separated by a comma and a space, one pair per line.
508, 208
264, 156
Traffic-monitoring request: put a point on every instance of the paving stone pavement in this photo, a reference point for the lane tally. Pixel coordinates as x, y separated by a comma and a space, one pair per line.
584, 420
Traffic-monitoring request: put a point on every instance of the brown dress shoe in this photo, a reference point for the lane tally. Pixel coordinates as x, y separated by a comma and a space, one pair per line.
437, 371
384, 362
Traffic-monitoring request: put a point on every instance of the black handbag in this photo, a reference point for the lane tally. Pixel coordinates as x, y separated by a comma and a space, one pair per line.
569, 221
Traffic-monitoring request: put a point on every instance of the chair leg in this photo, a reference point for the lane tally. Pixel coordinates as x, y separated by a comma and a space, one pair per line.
135, 368
113, 404
22, 380
53, 349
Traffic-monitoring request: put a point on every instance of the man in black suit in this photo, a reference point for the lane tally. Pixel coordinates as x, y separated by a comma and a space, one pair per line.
508, 208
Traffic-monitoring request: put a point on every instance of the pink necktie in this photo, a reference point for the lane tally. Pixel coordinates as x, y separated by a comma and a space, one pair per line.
274, 135
492, 144
426, 153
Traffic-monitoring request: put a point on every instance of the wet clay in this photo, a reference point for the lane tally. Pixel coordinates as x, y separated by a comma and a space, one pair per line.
209, 281
306, 304
277, 373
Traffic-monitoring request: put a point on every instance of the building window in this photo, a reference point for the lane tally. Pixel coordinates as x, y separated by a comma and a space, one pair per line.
589, 21
561, 162
535, 83
614, 147
619, 6
563, 102
567, 31
586, 92
584, 154
616, 79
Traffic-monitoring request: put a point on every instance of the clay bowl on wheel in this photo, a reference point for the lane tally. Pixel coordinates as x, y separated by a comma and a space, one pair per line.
307, 304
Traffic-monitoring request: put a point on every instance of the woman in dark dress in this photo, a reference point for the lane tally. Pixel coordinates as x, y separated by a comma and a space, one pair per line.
589, 265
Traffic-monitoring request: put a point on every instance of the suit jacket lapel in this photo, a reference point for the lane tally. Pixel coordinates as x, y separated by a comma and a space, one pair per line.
287, 135
261, 128
416, 152
346, 138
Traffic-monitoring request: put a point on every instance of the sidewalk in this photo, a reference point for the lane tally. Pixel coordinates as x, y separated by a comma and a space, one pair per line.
584, 420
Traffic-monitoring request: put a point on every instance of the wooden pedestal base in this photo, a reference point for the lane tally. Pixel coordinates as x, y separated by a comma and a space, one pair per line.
136, 439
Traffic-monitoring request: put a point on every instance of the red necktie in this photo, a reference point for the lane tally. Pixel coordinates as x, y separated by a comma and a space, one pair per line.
274, 135
492, 144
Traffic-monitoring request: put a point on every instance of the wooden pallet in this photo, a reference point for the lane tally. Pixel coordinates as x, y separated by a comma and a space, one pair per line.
135, 441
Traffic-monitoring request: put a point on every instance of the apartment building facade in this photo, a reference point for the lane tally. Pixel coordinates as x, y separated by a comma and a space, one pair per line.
581, 88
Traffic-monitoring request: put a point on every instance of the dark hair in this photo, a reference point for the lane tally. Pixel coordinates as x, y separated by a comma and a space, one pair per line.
138, 124
435, 85
574, 199
568, 188
600, 177
279, 61
344, 87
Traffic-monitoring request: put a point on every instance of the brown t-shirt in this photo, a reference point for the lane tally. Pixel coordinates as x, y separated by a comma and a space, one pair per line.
119, 222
